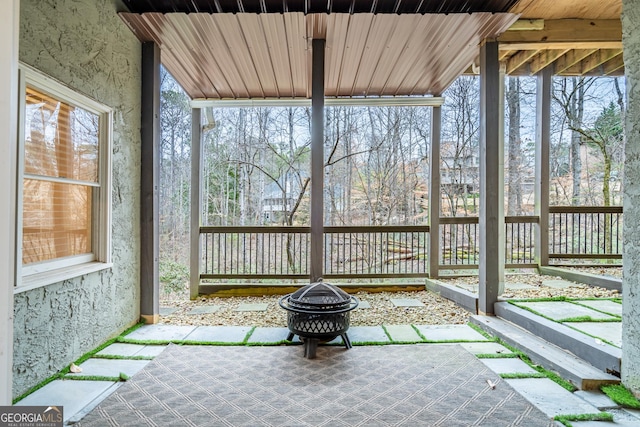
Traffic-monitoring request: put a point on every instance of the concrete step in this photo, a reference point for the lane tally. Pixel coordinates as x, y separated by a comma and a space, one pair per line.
601, 355
573, 369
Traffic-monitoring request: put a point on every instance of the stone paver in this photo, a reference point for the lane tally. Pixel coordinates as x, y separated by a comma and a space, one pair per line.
558, 284
406, 302
165, 311
252, 307
367, 334
161, 332
485, 348
518, 286
364, 304
450, 333
110, 367
73, 396
226, 334
402, 333
125, 350
550, 398
607, 306
558, 310
596, 398
508, 366
151, 350
270, 335
119, 349
205, 309
609, 331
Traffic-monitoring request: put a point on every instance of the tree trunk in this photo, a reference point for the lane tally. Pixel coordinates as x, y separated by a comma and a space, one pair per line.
514, 204
576, 108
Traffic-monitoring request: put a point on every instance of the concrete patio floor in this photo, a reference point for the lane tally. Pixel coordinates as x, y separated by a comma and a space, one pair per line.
79, 397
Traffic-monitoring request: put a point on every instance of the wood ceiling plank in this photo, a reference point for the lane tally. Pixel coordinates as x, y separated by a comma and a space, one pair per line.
566, 34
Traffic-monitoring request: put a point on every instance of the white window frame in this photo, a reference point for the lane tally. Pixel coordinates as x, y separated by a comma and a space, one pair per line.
52, 271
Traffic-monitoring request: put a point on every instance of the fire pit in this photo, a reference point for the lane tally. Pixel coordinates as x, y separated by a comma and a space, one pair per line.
318, 312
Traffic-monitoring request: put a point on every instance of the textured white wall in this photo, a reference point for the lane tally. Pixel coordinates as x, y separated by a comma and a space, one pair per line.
84, 44
631, 203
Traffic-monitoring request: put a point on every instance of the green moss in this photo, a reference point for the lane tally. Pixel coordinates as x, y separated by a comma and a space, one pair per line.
621, 395
566, 419
497, 356
481, 331
520, 375
549, 374
119, 357
586, 319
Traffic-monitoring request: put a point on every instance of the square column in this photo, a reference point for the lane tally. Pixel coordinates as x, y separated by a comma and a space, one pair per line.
491, 221
149, 180
543, 137
317, 160
196, 203
434, 193
9, 26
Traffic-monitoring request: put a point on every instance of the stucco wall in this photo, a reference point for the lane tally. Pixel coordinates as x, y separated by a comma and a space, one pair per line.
84, 44
631, 281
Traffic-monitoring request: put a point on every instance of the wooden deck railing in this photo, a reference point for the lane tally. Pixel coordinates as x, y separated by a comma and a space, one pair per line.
575, 233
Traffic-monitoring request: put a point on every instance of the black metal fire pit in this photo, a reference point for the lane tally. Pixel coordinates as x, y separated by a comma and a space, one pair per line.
318, 312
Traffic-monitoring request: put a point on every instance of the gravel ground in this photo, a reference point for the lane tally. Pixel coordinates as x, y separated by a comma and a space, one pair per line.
436, 310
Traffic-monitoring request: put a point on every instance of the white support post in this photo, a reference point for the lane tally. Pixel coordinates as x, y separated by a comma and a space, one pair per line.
9, 25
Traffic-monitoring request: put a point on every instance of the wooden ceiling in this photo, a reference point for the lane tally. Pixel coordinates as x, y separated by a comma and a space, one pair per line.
243, 49
579, 37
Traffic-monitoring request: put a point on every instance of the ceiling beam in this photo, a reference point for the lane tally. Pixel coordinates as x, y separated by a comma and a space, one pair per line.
527, 25
543, 59
613, 66
383, 101
571, 58
566, 34
519, 59
589, 64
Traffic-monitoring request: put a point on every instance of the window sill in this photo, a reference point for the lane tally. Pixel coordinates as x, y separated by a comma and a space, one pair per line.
33, 281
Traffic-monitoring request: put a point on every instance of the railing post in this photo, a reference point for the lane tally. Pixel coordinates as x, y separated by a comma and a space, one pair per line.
317, 160
434, 193
196, 203
543, 136
491, 219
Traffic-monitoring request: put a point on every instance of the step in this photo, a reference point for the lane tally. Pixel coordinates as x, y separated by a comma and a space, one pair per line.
611, 283
601, 355
573, 369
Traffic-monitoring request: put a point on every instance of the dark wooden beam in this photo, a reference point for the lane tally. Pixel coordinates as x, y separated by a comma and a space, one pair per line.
317, 160
149, 173
491, 218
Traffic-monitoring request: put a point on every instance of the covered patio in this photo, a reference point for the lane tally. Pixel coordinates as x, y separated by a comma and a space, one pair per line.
263, 53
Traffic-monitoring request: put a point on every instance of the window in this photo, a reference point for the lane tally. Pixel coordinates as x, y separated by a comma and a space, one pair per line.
65, 167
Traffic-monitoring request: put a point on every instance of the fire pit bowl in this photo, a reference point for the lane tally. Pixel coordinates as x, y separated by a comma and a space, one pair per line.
318, 312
